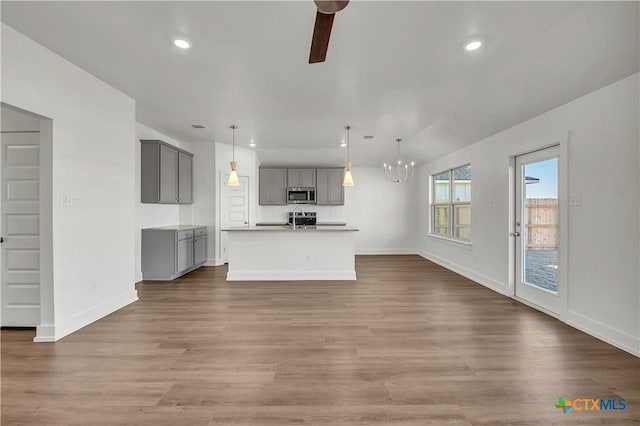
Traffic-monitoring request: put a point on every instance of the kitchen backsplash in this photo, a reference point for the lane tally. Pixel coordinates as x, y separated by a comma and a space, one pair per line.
280, 213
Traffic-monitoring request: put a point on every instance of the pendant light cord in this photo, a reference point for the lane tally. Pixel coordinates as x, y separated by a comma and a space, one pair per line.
233, 151
348, 144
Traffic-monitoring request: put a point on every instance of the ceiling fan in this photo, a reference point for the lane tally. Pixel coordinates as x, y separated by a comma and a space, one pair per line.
322, 29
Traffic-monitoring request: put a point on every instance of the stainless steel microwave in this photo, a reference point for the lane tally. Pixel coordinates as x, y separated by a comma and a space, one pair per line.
301, 195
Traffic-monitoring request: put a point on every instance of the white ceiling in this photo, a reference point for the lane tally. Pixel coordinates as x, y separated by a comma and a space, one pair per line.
394, 69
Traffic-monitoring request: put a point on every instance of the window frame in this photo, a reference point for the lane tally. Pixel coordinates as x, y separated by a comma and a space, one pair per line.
451, 204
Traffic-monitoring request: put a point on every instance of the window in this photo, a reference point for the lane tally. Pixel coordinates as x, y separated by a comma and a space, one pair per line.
451, 203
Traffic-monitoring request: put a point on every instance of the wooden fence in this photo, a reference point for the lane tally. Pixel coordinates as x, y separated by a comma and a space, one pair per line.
542, 223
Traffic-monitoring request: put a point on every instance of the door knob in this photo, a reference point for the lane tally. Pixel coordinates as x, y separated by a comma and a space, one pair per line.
515, 234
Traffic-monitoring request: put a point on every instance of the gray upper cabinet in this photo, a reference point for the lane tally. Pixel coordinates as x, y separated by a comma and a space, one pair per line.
329, 190
166, 173
185, 178
273, 186
301, 178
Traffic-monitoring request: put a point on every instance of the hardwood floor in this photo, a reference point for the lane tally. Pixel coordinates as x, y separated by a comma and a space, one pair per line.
409, 343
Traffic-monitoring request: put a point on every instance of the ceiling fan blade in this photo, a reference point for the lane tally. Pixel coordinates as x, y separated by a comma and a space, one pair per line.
321, 34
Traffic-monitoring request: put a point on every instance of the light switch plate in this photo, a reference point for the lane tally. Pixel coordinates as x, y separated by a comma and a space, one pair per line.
575, 199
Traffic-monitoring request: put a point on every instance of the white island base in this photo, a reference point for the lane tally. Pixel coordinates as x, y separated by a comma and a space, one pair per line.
282, 254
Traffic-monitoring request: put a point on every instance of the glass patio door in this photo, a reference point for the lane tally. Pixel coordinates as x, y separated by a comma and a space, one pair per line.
536, 228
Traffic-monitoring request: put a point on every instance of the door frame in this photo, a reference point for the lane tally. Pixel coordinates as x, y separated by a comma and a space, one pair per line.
223, 176
45, 331
562, 141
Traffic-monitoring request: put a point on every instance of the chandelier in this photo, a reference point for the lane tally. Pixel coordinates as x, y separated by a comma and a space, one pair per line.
400, 172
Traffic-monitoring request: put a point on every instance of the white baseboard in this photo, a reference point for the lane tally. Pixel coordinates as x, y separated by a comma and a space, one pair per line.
488, 282
292, 276
52, 333
594, 328
45, 333
214, 262
617, 338
383, 251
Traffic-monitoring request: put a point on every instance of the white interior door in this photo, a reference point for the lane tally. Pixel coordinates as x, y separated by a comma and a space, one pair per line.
20, 282
536, 228
234, 209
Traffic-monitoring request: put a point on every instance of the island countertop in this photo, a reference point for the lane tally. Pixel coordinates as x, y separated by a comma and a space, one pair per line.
299, 228
175, 228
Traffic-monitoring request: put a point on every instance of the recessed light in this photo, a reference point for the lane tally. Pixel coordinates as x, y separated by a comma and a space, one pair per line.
182, 43
252, 144
473, 45
343, 144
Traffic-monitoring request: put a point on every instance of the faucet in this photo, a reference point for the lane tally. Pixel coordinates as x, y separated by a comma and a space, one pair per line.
293, 216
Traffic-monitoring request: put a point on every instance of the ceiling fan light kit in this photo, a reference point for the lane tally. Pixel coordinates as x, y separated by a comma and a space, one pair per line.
233, 177
400, 173
330, 6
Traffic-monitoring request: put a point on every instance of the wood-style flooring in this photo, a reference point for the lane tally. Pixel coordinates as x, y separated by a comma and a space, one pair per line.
409, 343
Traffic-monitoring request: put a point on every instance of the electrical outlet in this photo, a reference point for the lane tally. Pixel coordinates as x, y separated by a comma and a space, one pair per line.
94, 286
309, 258
66, 200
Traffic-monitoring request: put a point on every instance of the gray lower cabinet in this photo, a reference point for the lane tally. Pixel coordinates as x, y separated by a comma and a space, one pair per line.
166, 173
171, 252
272, 186
185, 255
200, 249
329, 189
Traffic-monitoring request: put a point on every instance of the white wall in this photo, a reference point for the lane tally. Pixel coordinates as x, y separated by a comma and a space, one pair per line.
12, 120
203, 207
153, 215
603, 245
248, 164
93, 158
383, 211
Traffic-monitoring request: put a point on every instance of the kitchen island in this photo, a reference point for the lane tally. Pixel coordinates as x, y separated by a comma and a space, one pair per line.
280, 253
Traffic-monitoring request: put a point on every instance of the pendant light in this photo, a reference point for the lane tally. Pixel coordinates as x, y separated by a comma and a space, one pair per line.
233, 177
348, 179
399, 173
